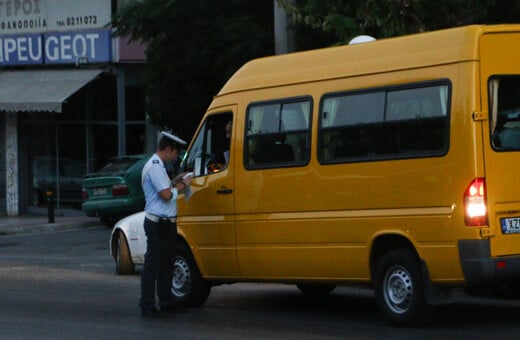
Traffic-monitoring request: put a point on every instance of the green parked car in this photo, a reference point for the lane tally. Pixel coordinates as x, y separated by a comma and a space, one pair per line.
115, 191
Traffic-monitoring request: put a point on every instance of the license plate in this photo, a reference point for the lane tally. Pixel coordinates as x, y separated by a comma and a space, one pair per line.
510, 225
99, 191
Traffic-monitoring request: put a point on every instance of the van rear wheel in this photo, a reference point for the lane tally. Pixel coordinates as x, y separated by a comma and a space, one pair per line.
399, 289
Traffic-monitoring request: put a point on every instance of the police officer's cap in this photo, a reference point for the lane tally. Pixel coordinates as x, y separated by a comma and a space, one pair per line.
173, 137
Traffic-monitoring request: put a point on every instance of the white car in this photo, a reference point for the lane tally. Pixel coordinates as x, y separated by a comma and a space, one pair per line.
128, 246
128, 243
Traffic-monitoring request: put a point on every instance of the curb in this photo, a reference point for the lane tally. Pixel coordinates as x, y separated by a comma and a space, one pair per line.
46, 227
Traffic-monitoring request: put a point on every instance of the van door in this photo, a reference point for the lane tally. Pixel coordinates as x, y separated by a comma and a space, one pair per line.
207, 217
501, 93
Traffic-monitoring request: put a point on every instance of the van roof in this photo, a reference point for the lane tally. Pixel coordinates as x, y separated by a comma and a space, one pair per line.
392, 54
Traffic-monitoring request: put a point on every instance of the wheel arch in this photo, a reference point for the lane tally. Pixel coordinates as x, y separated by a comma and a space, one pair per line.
383, 243
113, 241
182, 238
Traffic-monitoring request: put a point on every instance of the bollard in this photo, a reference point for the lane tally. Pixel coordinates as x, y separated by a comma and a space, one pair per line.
50, 207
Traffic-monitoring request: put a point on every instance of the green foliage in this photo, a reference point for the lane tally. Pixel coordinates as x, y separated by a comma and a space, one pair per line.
386, 18
193, 48
195, 45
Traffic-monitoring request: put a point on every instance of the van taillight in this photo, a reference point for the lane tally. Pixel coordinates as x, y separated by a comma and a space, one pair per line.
120, 190
475, 209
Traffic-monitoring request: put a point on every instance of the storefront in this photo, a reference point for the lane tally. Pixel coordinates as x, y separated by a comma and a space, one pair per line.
70, 98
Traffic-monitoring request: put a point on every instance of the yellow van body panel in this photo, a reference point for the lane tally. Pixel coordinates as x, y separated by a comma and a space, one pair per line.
207, 221
317, 221
323, 222
499, 56
387, 55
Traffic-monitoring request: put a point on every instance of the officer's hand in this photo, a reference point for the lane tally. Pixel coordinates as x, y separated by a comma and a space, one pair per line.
178, 178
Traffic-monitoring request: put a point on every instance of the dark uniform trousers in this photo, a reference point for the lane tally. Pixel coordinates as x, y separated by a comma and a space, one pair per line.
158, 262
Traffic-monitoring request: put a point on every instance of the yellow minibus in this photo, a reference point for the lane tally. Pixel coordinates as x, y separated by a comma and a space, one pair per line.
389, 163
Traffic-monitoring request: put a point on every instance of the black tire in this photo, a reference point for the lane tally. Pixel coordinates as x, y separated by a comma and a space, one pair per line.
315, 290
399, 289
124, 264
188, 287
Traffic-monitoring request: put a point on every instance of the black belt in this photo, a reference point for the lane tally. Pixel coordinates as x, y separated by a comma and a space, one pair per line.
158, 219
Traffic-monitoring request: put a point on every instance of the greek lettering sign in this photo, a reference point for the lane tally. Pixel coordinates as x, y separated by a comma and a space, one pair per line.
31, 16
91, 46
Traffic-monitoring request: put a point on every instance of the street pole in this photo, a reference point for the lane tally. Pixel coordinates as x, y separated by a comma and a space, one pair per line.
283, 34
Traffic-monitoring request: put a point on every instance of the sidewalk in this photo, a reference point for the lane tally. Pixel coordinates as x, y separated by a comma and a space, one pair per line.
37, 221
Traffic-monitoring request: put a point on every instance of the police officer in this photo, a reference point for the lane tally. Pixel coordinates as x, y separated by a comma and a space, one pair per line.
160, 227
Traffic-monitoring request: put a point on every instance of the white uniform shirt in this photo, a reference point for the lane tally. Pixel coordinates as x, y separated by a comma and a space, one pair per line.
155, 179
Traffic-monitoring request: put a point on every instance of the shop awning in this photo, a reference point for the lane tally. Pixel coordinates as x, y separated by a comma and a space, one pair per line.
41, 90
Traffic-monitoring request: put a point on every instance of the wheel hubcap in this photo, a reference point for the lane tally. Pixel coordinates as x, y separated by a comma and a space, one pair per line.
398, 289
181, 278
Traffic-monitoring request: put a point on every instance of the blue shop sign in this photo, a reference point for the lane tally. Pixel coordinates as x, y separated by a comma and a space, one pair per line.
67, 47
92, 46
21, 49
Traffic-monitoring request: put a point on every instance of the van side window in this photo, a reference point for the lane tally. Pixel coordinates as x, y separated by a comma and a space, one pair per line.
209, 152
278, 134
504, 102
384, 124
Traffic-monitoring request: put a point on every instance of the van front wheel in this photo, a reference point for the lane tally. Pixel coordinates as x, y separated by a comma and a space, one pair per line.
399, 289
188, 287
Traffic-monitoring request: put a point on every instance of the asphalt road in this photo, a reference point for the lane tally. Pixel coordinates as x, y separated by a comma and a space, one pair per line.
63, 286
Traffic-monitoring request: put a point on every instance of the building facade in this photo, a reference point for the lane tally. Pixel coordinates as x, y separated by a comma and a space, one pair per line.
71, 97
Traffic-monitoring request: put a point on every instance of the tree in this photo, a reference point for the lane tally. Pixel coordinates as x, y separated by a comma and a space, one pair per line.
193, 48
341, 20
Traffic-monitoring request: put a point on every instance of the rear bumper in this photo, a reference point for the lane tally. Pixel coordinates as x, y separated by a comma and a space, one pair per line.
480, 269
115, 207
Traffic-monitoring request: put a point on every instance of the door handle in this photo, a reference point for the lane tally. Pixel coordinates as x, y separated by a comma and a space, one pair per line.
224, 191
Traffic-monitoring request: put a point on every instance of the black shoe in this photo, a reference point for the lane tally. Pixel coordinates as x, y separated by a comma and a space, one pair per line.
174, 309
151, 313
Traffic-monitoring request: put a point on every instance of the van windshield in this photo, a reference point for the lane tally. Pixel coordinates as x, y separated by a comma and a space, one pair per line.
504, 102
